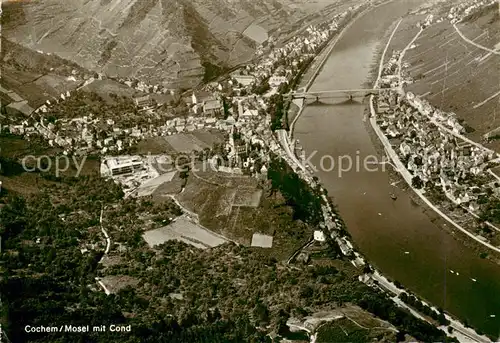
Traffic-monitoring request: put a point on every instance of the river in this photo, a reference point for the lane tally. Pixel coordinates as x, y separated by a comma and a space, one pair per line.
396, 236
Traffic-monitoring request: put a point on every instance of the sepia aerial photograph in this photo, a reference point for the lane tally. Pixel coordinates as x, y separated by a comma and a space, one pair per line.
249, 171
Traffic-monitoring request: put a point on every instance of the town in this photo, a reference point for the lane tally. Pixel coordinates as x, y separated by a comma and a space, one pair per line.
239, 123
445, 165
246, 107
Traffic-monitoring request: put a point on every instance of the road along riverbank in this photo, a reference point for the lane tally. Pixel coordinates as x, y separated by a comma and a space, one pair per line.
400, 167
455, 328
459, 330
403, 240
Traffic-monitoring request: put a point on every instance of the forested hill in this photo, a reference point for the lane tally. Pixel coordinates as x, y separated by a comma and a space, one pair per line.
175, 293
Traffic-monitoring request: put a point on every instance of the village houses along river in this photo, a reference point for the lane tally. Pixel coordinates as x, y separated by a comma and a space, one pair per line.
395, 235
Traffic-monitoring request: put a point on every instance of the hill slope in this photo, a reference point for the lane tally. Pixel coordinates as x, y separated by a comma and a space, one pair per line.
457, 76
161, 41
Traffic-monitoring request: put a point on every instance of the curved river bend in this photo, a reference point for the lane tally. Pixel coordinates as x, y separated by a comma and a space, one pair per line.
396, 236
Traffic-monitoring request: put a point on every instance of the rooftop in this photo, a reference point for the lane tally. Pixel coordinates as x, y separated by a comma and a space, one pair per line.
212, 105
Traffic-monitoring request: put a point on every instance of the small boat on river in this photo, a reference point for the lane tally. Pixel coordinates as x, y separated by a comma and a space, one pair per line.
393, 196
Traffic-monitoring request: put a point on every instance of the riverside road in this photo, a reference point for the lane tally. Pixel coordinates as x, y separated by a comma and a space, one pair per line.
407, 242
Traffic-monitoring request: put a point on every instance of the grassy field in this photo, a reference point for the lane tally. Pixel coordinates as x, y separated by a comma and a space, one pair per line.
179, 143
185, 143
114, 283
186, 231
105, 87
154, 145
347, 330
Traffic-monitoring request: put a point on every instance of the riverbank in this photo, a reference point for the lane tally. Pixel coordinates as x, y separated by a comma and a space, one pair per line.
334, 226
406, 175
374, 278
320, 60
464, 333
398, 182
453, 218
395, 236
401, 187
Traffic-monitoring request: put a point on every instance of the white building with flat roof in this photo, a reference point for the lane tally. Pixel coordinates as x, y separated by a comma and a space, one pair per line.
121, 166
319, 236
143, 101
275, 81
245, 80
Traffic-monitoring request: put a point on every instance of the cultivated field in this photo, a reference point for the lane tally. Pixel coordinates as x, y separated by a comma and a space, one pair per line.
216, 197
150, 186
34, 76
256, 33
187, 142
262, 241
184, 230
238, 207
225, 203
247, 197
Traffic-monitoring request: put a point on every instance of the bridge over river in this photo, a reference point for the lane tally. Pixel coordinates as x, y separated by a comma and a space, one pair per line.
406, 241
336, 93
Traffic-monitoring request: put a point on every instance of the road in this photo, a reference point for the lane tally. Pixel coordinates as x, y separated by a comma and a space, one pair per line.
462, 333
189, 213
495, 52
108, 246
402, 55
467, 334
470, 334
407, 176
395, 158
290, 259
325, 57
108, 240
487, 99
195, 219
283, 139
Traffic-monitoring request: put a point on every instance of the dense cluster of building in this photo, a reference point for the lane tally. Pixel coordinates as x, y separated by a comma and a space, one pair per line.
430, 143
464, 8
453, 14
282, 63
228, 106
